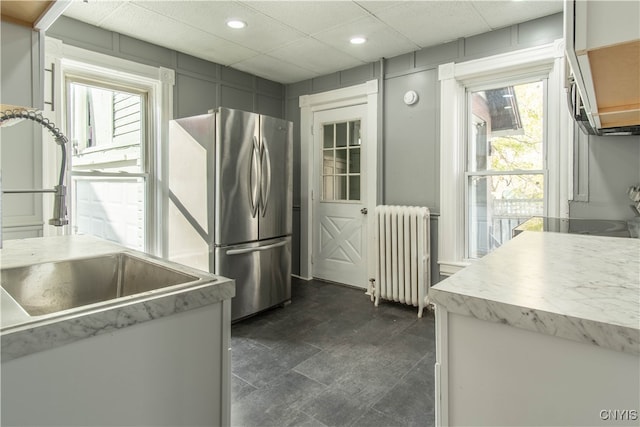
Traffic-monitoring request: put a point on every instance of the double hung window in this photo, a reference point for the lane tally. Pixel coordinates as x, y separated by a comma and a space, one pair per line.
109, 161
505, 162
504, 155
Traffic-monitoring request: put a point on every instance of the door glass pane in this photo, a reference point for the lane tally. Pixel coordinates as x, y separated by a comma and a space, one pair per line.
499, 203
110, 208
507, 128
354, 133
328, 136
354, 187
341, 134
341, 187
328, 162
354, 160
107, 132
327, 188
341, 161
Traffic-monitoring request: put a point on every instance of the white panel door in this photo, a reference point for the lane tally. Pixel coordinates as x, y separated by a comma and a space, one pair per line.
339, 195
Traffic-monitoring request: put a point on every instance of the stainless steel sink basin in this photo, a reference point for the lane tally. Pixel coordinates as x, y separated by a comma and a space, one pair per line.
55, 286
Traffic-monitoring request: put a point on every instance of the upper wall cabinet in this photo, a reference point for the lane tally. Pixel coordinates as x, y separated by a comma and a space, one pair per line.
37, 14
603, 50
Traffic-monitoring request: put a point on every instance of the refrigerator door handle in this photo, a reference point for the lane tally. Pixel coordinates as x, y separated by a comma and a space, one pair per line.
266, 177
256, 249
254, 170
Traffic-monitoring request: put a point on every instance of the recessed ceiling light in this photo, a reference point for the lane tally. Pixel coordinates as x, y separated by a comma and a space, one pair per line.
236, 24
358, 40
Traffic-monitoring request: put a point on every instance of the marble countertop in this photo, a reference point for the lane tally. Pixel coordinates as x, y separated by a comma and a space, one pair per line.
23, 334
582, 288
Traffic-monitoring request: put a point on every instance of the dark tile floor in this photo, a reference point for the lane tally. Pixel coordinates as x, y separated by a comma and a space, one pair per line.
331, 358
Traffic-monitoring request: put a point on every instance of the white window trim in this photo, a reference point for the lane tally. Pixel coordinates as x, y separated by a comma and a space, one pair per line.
158, 81
365, 93
454, 79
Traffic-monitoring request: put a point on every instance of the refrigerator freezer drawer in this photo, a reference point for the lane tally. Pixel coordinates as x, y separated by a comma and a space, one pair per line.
262, 271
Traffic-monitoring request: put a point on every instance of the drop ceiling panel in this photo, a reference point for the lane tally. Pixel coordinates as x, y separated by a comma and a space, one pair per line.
292, 40
376, 6
428, 23
382, 41
140, 23
309, 17
314, 55
261, 34
92, 13
275, 69
500, 14
202, 45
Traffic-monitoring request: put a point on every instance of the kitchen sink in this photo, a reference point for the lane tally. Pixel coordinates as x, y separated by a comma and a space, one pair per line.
55, 286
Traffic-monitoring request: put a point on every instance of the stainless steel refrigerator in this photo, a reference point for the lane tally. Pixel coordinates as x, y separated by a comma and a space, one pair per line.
229, 202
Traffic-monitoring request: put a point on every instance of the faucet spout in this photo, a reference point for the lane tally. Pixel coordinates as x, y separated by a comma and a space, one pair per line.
59, 205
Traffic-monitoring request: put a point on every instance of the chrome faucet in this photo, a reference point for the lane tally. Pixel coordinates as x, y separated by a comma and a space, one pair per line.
59, 205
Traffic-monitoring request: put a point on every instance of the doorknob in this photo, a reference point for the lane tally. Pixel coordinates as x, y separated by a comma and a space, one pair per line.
364, 211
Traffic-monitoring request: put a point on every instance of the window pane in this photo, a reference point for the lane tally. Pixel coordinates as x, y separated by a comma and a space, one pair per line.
341, 187
354, 187
112, 209
507, 128
328, 136
107, 129
354, 133
327, 188
341, 134
328, 162
497, 204
354, 160
341, 161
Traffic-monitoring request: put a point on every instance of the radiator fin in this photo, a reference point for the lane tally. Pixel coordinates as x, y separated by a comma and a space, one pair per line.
403, 272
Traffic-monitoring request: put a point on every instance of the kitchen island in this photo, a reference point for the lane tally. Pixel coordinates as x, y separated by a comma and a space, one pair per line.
543, 331
157, 357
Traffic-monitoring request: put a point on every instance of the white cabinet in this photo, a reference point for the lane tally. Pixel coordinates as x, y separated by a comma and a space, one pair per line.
603, 49
171, 371
492, 374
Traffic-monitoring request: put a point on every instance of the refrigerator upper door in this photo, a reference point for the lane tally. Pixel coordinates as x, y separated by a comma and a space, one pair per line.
237, 177
276, 199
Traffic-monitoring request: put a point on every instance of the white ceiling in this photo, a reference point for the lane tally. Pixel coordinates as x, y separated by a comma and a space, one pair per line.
290, 41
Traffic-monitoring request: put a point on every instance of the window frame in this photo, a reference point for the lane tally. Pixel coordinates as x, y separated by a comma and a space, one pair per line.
455, 78
348, 149
157, 82
544, 78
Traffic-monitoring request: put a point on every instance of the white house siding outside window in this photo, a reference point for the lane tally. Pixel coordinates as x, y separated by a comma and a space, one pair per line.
109, 168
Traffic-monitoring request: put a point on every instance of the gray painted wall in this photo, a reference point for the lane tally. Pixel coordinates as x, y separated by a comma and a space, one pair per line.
411, 138
21, 152
614, 165
200, 85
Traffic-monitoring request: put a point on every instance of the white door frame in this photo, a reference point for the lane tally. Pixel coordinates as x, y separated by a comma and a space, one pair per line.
365, 93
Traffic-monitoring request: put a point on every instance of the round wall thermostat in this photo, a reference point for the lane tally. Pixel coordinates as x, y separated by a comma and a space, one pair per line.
411, 97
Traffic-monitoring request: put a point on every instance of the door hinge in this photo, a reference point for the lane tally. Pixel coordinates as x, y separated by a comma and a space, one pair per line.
312, 130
